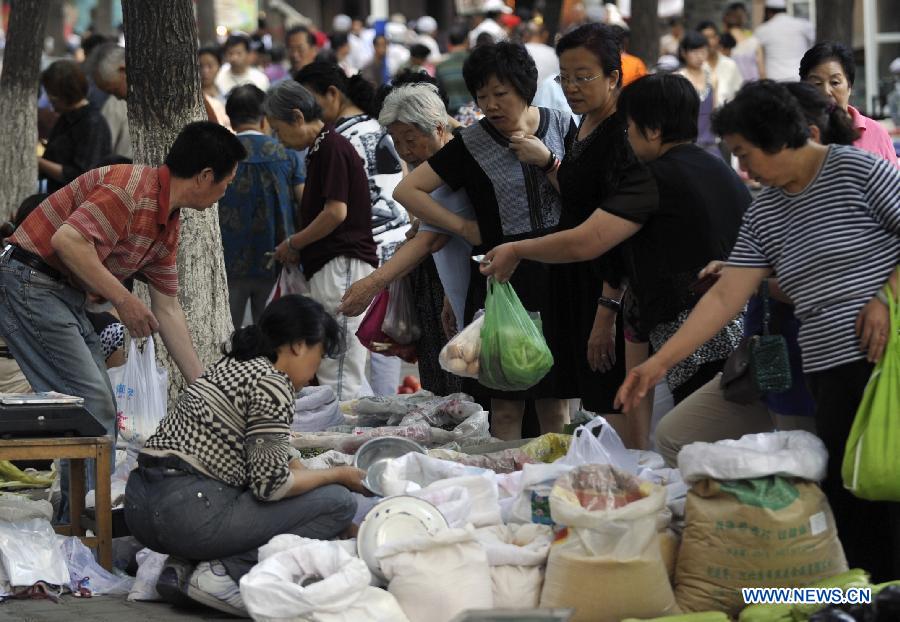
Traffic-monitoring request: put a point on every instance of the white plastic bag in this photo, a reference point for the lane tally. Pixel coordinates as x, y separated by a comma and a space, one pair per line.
314, 580
401, 322
532, 503
141, 389
516, 555
434, 578
479, 504
15, 508
30, 553
150, 566
596, 442
460, 355
790, 454
85, 572
290, 281
316, 409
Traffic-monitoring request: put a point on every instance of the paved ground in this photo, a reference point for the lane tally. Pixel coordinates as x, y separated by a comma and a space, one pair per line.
100, 609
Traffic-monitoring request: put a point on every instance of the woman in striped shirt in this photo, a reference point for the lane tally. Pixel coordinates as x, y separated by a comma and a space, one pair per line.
829, 226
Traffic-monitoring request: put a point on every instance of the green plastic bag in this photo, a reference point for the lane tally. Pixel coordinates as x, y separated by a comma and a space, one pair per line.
514, 355
871, 468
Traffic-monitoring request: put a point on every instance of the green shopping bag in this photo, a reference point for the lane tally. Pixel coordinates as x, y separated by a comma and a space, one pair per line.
871, 467
514, 355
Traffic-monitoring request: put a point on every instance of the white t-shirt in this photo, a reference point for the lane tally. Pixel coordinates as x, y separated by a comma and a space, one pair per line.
728, 80
489, 26
545, 58
452, 261
227, 79
784, 40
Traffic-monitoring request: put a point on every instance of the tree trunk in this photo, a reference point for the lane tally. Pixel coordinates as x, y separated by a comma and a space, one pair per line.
164, 96
56, 26
104, 18
206, 21
834, 21
18, 103
645, 30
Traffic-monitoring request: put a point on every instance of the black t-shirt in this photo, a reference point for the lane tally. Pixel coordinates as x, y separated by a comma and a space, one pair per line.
335, 172
79, 140
701, 203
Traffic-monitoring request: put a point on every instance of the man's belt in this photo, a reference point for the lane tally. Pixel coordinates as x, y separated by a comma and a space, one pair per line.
34, 262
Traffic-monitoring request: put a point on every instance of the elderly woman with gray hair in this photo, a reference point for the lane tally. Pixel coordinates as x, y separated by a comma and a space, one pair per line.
416, 118
334, 244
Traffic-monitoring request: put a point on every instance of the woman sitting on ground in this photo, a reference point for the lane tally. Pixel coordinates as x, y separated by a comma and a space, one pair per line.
217, 480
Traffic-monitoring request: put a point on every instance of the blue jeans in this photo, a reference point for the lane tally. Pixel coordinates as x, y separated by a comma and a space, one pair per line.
45, 326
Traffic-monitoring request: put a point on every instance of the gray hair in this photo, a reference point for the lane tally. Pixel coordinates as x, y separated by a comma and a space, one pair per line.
287, 96
106, 61
417, 104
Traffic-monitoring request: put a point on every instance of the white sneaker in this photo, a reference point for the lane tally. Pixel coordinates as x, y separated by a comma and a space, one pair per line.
210, 585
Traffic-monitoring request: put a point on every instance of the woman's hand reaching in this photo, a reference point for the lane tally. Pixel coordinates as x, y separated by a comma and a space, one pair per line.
501, 262
529, 149
359, 296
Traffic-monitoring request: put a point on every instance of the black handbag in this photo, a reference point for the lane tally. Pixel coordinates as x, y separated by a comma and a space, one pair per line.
759, 365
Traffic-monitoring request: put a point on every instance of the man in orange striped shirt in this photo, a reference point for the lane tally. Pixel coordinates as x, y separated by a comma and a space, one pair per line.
106, 226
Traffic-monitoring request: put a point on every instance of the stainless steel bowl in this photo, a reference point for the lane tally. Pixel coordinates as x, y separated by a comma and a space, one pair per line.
374, 455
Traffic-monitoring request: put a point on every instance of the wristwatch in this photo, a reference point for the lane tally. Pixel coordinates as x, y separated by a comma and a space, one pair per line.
291, 246
610, 303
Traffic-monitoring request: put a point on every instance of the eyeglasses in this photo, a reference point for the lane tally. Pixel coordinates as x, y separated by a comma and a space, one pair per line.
577, 82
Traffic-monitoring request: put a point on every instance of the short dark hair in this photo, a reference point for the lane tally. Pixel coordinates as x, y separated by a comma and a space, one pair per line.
204, 144
338, 40
824, 52
707, 24
419, 50
666, 102
234, 40
214, 51
726, 41
835, 125
766, 114
484, 38
601, 41
510, 63
298, 30
65, 79
692, 40
286, 321
319, 76
89, 43
245, 105
458, 34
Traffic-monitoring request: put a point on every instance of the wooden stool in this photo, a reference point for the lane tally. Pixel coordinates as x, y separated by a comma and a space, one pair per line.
76, 450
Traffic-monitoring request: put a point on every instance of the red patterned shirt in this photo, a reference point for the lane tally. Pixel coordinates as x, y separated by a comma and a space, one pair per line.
124, 212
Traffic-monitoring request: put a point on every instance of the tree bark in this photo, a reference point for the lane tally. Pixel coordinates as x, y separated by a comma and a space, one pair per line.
164, 96
206, 21
18, 102
56, 26
834, 21
645, 30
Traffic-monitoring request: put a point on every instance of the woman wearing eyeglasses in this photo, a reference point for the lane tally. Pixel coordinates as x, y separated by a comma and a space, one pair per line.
659, 223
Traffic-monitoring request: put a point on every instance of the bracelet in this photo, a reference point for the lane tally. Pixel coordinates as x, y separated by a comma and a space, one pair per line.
883, 298
291, 246
609, 303
551, 163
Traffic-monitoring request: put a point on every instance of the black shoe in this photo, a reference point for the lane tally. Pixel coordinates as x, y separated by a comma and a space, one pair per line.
172, 582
